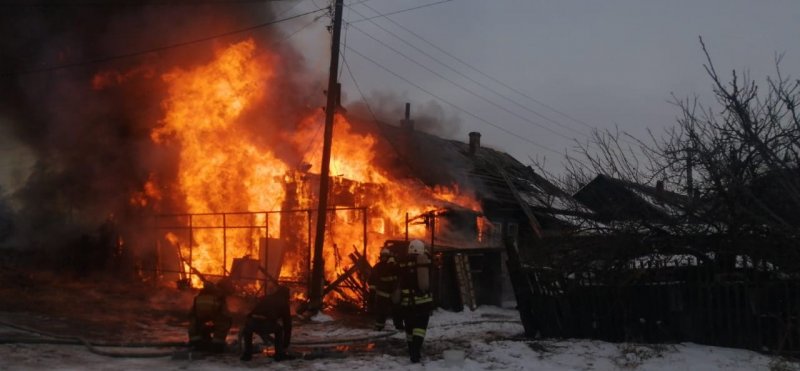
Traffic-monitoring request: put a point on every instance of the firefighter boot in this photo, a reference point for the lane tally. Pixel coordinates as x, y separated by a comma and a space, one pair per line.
411, 351
415, 349
247, 351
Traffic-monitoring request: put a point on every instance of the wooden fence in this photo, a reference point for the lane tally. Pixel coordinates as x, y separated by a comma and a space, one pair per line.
748, 310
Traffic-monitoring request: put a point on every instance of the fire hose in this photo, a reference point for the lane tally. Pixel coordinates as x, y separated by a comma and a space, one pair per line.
353, 340
55, 339
92, 347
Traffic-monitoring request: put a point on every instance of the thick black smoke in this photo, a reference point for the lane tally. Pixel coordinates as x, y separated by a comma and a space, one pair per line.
88, 126
429, 117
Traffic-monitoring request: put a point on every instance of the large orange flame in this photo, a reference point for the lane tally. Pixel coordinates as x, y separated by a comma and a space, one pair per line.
222, 169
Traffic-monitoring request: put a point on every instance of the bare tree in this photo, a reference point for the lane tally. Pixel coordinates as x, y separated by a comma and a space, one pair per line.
735, 160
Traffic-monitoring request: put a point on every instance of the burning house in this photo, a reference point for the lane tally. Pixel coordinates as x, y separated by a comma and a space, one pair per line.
471, 242
246, 199
215, 148
389, 183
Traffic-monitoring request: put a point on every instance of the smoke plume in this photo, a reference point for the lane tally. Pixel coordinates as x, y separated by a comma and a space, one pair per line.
88, 126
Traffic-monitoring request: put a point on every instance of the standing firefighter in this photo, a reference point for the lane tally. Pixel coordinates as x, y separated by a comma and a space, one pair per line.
415, 297
210, 319
271, 316
383, 283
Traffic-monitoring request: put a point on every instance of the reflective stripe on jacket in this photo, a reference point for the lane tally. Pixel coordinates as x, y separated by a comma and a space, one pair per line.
414, 282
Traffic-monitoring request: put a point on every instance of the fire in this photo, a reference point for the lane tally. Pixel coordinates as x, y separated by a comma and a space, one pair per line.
223, 167
149, 192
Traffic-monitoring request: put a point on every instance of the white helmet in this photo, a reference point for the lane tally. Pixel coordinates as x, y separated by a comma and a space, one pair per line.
416, 247
385, 253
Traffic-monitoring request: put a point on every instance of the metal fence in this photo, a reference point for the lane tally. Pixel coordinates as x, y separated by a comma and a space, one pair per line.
186, 225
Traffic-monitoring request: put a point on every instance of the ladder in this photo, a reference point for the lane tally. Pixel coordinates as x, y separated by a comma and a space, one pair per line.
464, 278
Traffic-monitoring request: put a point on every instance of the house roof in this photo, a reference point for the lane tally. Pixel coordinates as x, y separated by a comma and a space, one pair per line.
444, 162
619, 200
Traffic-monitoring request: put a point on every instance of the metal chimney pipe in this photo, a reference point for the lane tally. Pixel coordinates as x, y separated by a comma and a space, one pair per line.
474, 142
407, 123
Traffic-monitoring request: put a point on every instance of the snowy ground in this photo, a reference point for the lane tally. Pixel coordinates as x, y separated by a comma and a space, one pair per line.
490, 339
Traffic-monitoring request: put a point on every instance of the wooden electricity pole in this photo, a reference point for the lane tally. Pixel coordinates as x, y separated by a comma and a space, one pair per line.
317, 270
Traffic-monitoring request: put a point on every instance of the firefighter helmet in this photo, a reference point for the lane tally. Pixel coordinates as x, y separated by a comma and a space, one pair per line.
416, 247
385, 253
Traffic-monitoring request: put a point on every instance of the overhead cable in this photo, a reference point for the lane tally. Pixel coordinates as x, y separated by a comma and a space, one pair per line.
160, 48
481, 119
460, 86
401, 11
472, 67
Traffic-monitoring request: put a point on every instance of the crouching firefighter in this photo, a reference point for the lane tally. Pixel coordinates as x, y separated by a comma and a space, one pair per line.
383, 284
210, 319
271, 316
415, 298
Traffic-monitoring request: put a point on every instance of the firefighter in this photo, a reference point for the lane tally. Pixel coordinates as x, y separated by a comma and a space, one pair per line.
383, 283
271, 316
210, 319
415, 297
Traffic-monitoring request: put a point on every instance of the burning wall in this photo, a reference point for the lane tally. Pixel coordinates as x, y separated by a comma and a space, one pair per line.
232, 125
222, 168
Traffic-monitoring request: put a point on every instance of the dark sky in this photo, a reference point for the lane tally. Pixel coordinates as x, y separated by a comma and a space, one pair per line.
587, 64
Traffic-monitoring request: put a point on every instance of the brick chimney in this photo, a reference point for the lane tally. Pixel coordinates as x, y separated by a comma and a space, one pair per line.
474, 142
407, 123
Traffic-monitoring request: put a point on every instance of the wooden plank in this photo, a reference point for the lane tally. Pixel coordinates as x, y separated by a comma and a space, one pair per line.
464, 278
333, 285
534, 223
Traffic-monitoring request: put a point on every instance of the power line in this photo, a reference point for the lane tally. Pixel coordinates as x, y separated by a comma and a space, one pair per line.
402, 11
109, 3
460, 60
464, 88
453, 104
356, 3
467, 76
360, 92
161, 48
470, 79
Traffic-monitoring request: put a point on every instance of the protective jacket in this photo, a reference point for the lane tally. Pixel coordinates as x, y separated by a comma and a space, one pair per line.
210, 319
271, 316
383, 283
415, 300
415, 281
383, 278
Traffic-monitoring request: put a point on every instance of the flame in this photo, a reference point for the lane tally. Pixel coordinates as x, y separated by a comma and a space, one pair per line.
149, 193
222, 168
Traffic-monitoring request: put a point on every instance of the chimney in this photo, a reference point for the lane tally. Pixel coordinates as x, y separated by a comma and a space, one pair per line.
660, 187
407, 123
474, 142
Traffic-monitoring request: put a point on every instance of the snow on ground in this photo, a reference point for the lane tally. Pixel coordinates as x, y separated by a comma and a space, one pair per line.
489, 337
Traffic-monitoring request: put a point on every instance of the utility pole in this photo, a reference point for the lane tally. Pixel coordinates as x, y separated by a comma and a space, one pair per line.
317, 271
